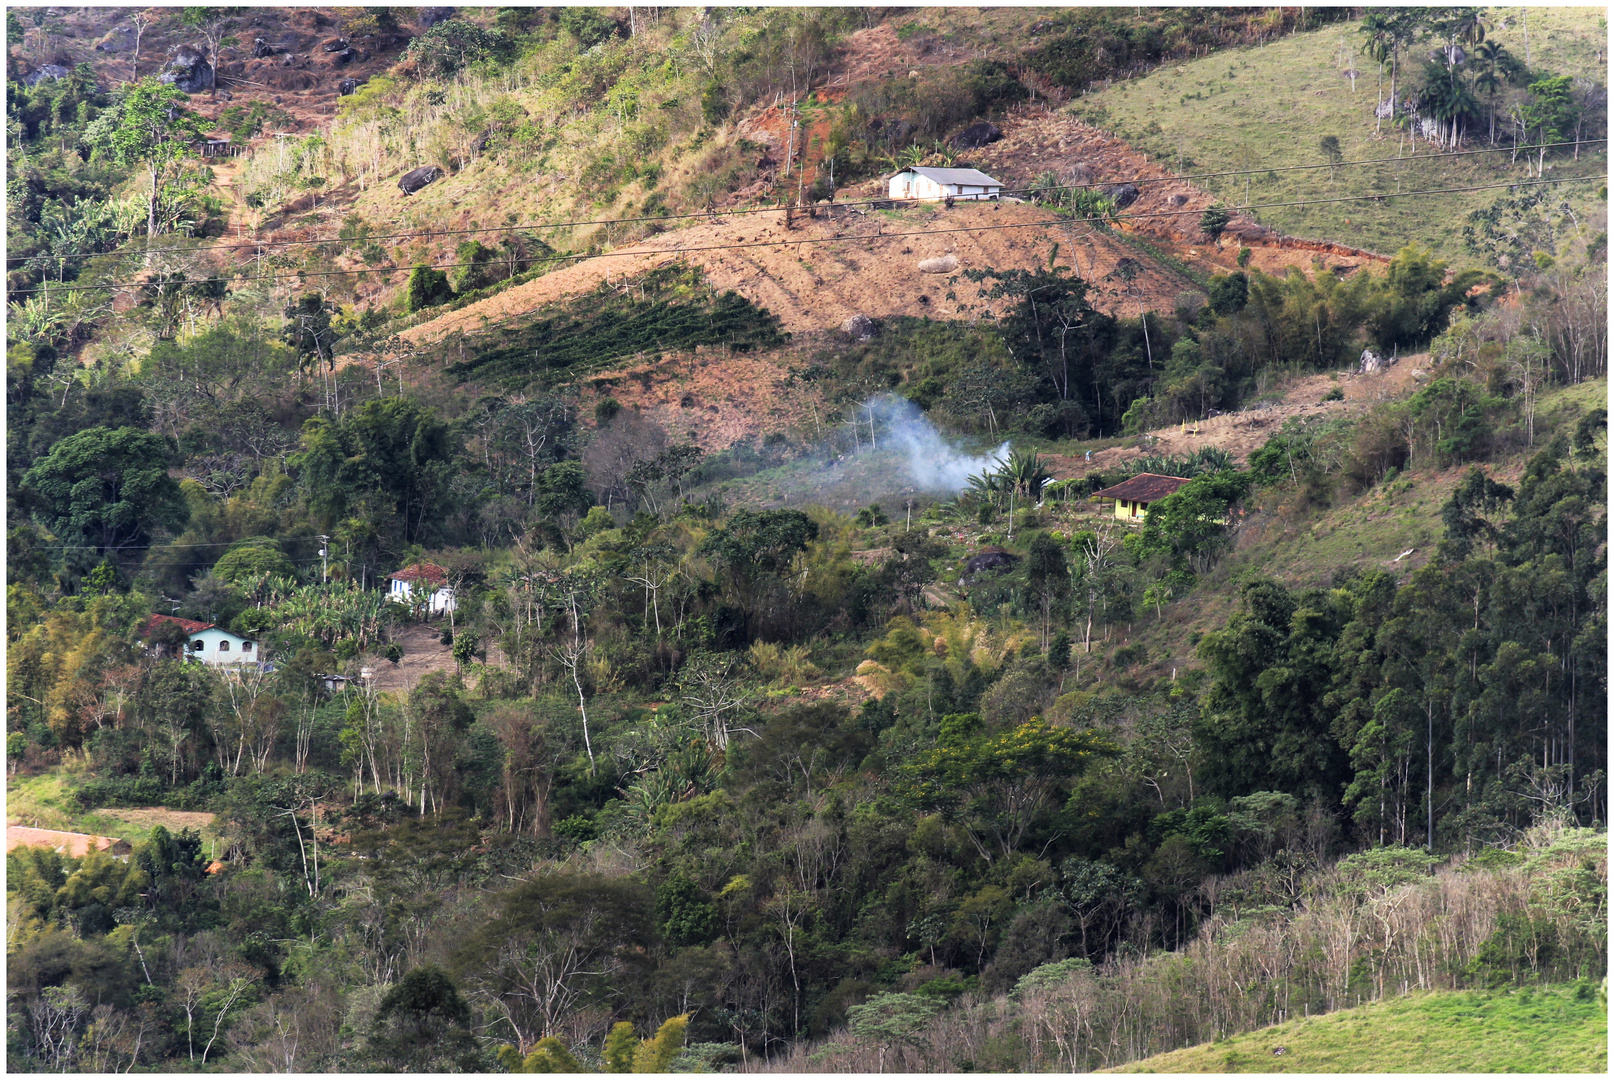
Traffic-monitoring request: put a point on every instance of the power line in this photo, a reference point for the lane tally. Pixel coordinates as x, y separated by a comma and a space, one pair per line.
165, 547
260, 245
633, 251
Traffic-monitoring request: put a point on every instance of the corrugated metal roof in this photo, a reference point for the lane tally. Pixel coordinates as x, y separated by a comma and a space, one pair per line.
969, 177
1144, 487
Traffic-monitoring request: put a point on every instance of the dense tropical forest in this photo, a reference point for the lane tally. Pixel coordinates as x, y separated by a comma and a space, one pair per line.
977, 777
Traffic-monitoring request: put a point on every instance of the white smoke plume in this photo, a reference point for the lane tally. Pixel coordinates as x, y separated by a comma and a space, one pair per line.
935, 464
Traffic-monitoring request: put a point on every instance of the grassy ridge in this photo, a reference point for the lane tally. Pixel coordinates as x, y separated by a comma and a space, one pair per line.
1271, 106
1547, 1029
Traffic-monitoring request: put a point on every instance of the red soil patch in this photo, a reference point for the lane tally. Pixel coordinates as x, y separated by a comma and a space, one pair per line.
75, 845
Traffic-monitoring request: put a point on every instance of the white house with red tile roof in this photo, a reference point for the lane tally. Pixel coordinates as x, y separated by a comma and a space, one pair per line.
423, 582
210, 643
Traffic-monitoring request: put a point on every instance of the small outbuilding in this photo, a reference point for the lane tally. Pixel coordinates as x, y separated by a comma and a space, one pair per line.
1132, 498
423, 583
921, 182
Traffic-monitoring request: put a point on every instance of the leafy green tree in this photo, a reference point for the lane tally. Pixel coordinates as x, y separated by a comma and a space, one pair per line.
757, 550
391, 447
1549, 112
1229, 292
150, 126
1190, 527
1217, 217
1051, 329
446, 49
107, 487
308, 330
423, 1025
426, 288
890, 1020
998, 785
1262, 724
253, 557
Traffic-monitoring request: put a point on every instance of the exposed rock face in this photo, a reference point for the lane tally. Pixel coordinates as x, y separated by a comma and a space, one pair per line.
1370, 362
858, 327
416, 179
188, 70
44, 72
1123, 194
977, 135
347, 86
334, 45
431, 16
945, 264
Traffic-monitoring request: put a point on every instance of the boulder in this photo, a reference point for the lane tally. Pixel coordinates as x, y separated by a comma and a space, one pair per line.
346, 87
895, 132
44, 72
188, 70
1370, 362
1178, 200
1123, 194
977, 135
858, 327
990, 559
334, 45
343, 57
119, 39
415, 179
1076, 174
431, 16
944, 264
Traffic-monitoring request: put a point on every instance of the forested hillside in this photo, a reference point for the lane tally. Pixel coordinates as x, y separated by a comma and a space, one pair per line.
797, 708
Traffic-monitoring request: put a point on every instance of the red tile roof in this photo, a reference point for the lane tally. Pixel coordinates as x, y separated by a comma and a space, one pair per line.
190, 626
423, 571
1144, 487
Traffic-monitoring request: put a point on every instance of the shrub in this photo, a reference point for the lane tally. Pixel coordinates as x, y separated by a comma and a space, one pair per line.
427, 288
449, 47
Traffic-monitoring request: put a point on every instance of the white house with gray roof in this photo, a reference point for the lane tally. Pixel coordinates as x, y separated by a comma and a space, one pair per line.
922, 182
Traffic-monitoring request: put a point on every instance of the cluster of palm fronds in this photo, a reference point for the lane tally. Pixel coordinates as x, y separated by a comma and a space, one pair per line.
326, 613
1206, 461
1022, 475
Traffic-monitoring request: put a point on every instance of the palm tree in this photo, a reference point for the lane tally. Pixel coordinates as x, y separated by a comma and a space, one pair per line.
1488, 61
1375, 31
1026, 473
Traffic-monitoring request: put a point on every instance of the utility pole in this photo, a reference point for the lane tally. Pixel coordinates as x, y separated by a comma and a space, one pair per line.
324, 559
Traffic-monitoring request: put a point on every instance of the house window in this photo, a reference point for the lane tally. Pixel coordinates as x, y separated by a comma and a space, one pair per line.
246, 646
196, 646
224, 646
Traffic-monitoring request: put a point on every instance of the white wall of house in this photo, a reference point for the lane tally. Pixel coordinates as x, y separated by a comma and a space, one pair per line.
216, 646
910, 185
441, 601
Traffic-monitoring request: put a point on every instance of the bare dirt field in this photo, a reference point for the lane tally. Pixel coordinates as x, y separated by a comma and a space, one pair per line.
1244, 432
146, 817
423, 651
76, 845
